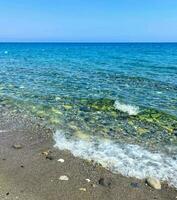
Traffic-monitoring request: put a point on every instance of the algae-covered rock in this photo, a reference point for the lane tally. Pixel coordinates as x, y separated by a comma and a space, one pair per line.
56, 111
54, 121
41, 114
67, 106
141, 131
101, 104
160, 120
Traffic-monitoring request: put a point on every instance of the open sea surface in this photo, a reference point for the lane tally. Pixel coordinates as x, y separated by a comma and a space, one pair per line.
114, 103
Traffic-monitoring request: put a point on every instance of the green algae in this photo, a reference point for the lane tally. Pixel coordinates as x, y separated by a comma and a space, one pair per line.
101, 105
84, 118
161, 120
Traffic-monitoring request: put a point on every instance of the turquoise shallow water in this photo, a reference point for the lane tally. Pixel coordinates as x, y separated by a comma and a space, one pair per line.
121, 93
141, 74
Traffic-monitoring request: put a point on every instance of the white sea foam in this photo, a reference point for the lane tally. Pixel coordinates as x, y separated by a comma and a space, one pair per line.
127, 159
130, 109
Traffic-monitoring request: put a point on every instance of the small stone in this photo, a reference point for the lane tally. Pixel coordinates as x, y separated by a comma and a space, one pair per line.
46, 153
61, 160
104, 182
63, 178
49, 157
17, 146
88, 180
101, 181
134, 185
83, 189
154, 183
93, 185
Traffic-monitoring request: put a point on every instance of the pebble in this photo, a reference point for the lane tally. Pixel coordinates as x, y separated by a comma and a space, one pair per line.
135, 185
154, 183
63, 178
49, 157
61, 160
88, 180
46, 153
83, 189
17, 146
104, 182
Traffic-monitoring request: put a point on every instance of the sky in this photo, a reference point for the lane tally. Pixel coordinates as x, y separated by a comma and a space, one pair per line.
88, 21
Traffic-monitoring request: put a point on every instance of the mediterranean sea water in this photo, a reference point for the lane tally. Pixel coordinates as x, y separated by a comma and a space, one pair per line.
115, 103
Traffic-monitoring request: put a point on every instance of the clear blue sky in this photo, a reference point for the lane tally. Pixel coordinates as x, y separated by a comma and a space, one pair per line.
88, 20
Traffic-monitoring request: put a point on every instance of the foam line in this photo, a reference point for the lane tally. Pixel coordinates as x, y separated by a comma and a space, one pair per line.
127, 159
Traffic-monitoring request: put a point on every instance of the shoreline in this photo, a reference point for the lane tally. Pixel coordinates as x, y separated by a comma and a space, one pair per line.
32, 172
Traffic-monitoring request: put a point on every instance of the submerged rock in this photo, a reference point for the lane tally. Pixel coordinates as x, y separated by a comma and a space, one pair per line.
154, 183
67, 106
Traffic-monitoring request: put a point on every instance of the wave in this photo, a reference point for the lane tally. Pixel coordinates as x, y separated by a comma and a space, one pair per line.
127, 159
130, 109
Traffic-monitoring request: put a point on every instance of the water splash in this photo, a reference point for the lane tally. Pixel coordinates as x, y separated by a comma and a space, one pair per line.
130, 109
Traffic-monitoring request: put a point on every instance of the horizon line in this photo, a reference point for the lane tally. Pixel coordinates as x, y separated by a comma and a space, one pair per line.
88, 42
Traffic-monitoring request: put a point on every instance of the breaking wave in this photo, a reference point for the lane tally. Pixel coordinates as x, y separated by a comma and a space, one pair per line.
127, 159
130, 109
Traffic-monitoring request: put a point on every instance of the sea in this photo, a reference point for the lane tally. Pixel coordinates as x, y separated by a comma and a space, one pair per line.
113, 103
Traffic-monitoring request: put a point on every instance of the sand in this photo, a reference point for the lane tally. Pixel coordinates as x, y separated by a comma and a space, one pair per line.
33, 171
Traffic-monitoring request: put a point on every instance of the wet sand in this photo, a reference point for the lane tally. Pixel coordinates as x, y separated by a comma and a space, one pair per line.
28, 173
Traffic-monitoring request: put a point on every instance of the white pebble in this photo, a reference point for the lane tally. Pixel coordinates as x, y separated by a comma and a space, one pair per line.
61, 160
154, 183
88, 180
63, 178
83, 189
